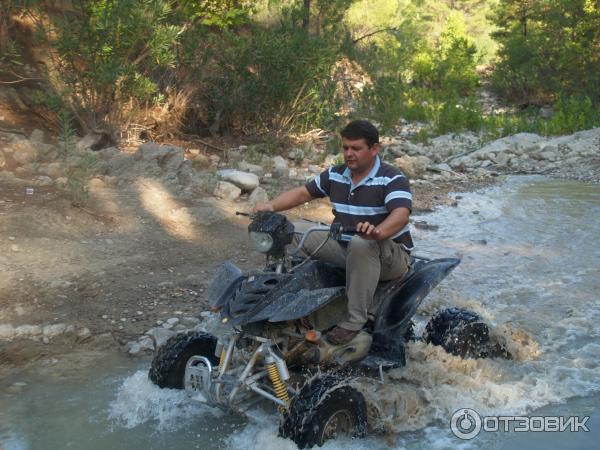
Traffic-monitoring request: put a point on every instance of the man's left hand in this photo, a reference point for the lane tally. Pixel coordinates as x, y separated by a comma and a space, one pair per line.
367, 230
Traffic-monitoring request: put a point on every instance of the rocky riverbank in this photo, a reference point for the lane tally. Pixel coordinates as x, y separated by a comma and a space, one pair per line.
131, 264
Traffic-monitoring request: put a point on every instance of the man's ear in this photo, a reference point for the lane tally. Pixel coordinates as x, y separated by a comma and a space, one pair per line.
375, 148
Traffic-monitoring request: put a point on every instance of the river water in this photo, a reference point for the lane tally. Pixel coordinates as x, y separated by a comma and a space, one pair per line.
530, 266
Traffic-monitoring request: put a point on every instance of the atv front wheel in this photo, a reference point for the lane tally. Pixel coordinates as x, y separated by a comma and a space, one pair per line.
168, 365
326, 408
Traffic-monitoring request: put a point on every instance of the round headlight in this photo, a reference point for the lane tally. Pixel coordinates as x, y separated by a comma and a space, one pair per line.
263, 242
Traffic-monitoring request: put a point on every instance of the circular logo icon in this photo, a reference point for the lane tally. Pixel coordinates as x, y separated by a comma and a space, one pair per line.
465, 424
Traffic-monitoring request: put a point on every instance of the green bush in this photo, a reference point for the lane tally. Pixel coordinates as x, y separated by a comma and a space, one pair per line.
275, 79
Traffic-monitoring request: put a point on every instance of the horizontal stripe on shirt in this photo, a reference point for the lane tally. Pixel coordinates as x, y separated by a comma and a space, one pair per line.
371, 200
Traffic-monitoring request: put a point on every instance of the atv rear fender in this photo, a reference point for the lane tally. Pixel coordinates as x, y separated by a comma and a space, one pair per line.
401, 300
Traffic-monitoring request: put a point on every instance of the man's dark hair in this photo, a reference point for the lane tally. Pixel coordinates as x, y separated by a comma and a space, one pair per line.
358, 129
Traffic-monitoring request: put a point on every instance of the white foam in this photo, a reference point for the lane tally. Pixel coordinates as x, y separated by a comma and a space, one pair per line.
139, 400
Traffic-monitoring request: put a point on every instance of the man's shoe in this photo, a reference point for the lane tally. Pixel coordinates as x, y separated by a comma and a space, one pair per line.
340, 336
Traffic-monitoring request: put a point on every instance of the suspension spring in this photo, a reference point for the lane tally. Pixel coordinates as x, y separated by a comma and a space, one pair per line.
278, 385
222, 357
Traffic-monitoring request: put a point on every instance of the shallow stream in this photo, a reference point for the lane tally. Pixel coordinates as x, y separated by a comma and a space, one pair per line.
530, 252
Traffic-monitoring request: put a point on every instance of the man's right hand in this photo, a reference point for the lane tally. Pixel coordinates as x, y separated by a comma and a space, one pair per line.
264, 207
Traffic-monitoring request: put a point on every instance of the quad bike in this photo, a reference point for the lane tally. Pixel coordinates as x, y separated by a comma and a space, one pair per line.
269, 343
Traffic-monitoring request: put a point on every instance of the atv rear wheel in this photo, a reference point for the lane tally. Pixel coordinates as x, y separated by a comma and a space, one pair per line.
459, 331
326, 407
168, 366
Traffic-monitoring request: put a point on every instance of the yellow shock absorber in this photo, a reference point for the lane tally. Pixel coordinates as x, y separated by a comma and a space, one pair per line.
222, 357
278, 384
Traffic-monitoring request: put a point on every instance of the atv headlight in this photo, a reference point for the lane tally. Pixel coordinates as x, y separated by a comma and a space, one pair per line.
262, 241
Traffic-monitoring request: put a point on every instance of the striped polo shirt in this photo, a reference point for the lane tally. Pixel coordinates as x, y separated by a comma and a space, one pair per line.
382, 190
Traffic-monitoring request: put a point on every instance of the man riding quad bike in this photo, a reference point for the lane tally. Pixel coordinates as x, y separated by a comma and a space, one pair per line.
268, 342
337, 297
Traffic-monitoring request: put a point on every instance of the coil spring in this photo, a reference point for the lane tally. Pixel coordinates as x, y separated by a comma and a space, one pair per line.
222, 357
278, 385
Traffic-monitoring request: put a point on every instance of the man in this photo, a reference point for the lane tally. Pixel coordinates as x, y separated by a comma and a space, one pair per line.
372, 196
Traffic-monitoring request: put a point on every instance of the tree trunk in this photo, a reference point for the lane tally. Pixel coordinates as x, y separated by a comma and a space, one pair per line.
5, 12
306, 16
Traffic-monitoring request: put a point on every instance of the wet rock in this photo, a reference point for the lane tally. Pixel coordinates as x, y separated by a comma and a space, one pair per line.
160, 336
280, 167
244, 180
424, 225
145, 344
173, 321
227, 191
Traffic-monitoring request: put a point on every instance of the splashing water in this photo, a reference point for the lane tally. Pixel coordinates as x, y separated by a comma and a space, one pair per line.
530, 267
139, 401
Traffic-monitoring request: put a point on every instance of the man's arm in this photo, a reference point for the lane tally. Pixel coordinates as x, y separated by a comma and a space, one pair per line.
393, 223
287, 200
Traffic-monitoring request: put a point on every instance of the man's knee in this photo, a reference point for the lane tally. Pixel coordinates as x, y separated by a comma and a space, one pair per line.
360, 246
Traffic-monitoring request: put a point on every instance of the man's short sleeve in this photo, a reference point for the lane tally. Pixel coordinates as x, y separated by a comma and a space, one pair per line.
397, 193
319, 186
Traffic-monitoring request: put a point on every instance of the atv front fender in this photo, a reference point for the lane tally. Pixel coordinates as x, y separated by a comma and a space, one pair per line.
226, 280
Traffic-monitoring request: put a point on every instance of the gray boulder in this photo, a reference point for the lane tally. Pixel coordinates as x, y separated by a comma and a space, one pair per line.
37, 136
53, 170
252, 168
23, 152
280, 167
244, 180
259, 195
227, 191
296, 154
413, 166
95, 140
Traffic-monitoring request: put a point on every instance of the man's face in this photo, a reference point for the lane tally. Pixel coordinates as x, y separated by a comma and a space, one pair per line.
358, 156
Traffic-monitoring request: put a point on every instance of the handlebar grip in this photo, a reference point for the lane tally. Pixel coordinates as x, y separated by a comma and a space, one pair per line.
337, 229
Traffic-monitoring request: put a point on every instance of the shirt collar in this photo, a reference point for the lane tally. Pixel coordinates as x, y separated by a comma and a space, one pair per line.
347, 174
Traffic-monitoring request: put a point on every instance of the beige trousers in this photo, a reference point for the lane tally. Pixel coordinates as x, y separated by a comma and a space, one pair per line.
366, 262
